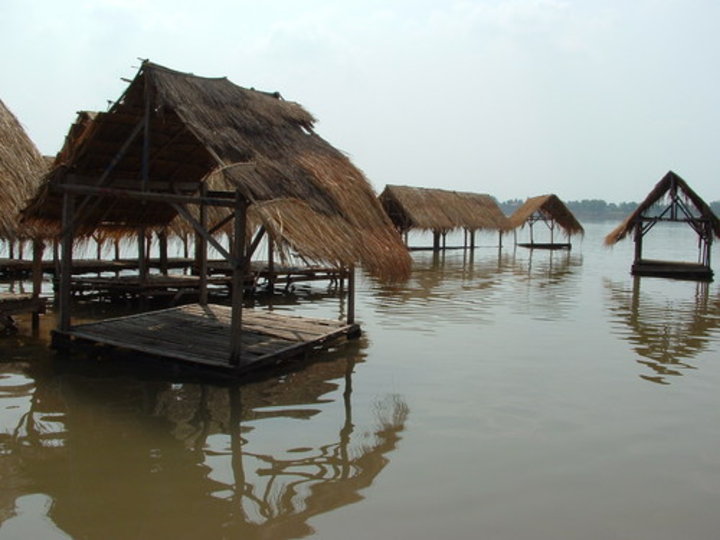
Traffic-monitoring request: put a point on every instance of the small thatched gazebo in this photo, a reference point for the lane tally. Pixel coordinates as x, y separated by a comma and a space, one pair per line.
548, 209
671, 200
216, 155
441, 211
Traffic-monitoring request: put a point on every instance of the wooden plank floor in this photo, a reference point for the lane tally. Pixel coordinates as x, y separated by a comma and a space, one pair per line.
545, 245
672, 269
201, 335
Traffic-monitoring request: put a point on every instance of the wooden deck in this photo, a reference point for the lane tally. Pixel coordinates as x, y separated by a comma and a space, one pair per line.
16, 304
672, 269
14, 268
546, 245
174, 286
200, 336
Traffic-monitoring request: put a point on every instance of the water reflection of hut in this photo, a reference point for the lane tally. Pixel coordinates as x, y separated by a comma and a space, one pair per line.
244, 160
666, 333
153, 459
21, 167
670, 201
442, 211
551, 211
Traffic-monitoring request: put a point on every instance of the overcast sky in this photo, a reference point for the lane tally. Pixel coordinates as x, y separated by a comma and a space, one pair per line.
582, 98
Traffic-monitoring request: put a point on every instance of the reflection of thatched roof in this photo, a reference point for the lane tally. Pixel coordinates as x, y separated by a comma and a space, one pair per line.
670, 184
209, 130
551, 208
21, 166
439, 209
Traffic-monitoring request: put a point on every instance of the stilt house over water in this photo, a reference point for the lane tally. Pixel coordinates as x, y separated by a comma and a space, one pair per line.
217, 155
551, 211
670, 201
442, 211
21, 168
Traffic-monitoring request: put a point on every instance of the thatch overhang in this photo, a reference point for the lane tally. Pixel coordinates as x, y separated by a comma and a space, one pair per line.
208, 133
21, 169
433, 209
670, 187
550, 208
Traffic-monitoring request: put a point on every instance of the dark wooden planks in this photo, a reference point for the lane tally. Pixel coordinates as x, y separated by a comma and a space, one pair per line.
201, 335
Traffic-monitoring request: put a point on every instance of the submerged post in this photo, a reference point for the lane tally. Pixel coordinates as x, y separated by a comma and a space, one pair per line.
201, 251
351, 296
68, 212
238, 279
38, 248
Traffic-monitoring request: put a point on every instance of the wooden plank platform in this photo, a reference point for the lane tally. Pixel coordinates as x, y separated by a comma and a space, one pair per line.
672, 269
23, 267
16, 304
545, 245
200, 336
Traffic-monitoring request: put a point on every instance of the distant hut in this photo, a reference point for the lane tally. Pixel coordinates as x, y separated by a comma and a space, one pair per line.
442, 211
673, 201
176, 144
551, 211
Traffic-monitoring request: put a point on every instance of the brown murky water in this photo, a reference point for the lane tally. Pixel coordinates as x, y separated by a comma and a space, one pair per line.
509, 395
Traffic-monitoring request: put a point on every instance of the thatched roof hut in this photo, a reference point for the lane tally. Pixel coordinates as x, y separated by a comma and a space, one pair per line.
549, 208
441, 210
21, 167
671, 200
208, 134
671, 188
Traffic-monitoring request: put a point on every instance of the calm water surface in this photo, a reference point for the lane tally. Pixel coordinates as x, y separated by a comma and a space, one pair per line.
505, 395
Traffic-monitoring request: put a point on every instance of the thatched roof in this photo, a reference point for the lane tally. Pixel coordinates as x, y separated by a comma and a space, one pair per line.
441, 210
551, 208
210, 131
21, 167
670, 186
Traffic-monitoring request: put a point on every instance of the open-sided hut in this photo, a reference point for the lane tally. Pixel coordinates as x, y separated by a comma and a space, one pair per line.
21, 168
551, 211
671, 200
176, 144
442, 211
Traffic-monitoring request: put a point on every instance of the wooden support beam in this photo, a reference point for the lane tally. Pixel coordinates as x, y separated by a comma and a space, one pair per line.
68, 211
202, 262
154, 196
238, 279
163, 247
203, 232
142, 255
37, 274
351, 296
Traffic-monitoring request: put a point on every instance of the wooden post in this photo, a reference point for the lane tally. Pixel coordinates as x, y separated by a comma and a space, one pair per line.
238, 279
56, 263
163, 246
201, 252
117, 249
142, 260
21, 244
472, 240
99, 246
638, 241
500, 235
436, 240
444, 238
68, 211
38, 248
531, 233
271, 263
351, 296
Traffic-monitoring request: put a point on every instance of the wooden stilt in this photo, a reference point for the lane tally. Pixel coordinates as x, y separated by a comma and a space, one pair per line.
163, 247
38, 248
351, 296
202, 262
271, 264
238, 278
68, 212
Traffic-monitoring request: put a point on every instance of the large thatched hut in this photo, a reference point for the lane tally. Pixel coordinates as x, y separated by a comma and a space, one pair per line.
671, 200
554, 213
21, 167
441, 211
176, 144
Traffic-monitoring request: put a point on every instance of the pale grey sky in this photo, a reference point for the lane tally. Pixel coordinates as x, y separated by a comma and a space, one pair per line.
582, 98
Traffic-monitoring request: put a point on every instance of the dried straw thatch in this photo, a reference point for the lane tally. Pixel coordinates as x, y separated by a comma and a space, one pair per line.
669, 186
551, 208
441, 210
209, 131
21, 167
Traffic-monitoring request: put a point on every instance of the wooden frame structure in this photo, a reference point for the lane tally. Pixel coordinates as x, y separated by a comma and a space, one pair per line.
551, 211
442, 211
211, 156
671, 201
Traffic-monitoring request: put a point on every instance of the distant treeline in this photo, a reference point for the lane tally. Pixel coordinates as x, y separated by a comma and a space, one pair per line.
595, 209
